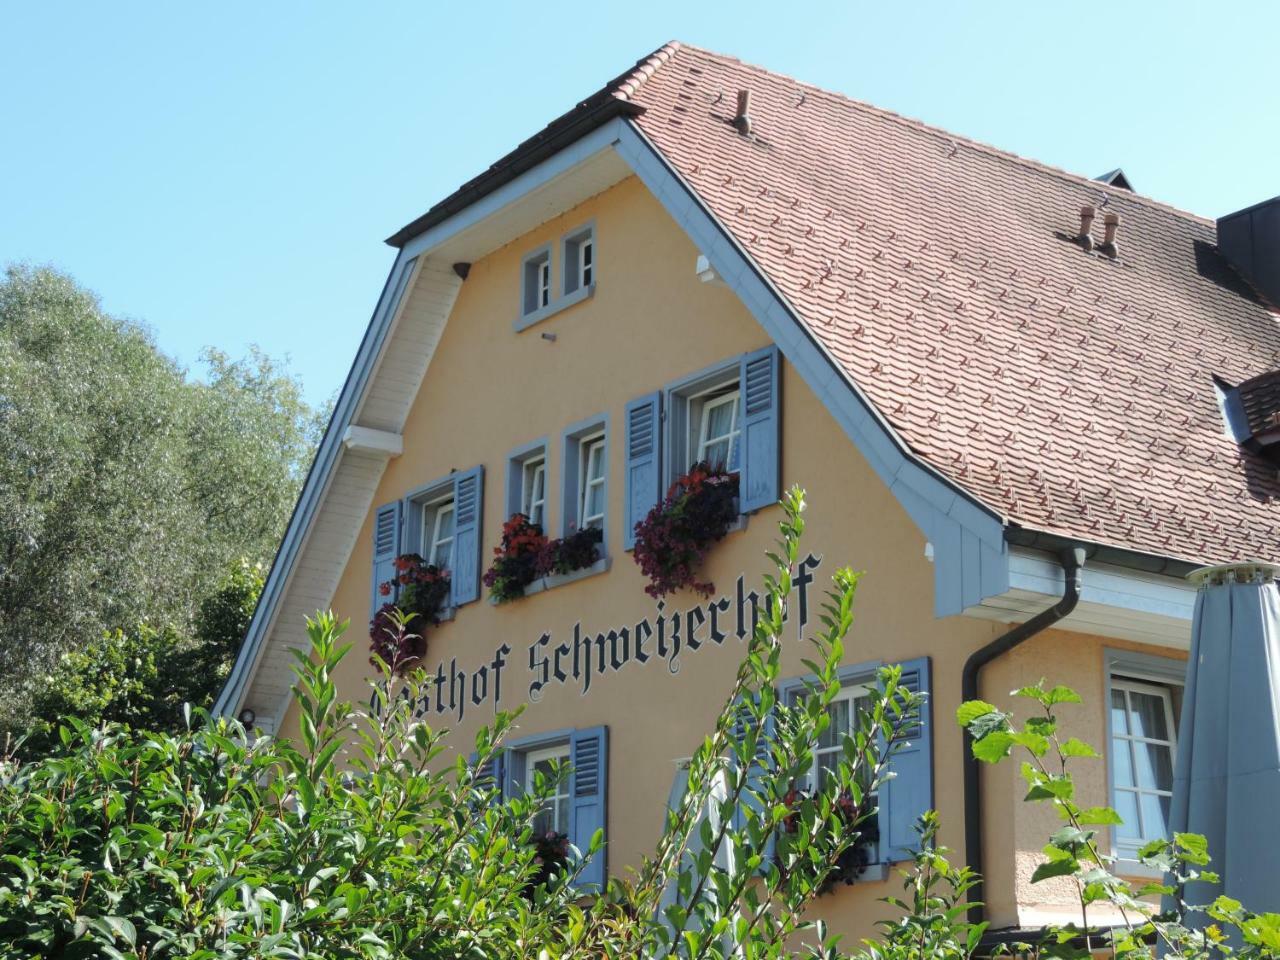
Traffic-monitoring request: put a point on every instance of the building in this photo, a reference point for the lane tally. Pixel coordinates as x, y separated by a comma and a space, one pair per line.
985, 372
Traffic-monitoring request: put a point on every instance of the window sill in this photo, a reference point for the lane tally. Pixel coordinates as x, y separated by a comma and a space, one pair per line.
561, 579
556, 306
1134, 869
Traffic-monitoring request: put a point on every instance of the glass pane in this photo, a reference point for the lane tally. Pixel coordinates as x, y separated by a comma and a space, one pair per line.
716, 454
732, 461
1155, 765
1119, 713
1148, 716
444, 522
595, 462
1122, 760
840, 712
1127, 807
1155, 816
719, 420
544, 821
562, 815
595, 501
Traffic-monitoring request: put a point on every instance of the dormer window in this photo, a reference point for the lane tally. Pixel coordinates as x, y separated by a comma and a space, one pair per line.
537, 281
579, 260
1252, 413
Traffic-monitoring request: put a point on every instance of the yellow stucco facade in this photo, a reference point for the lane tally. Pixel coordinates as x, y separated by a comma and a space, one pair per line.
490, 389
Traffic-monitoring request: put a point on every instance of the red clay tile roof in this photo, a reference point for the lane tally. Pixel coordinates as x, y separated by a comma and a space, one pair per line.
1070, 393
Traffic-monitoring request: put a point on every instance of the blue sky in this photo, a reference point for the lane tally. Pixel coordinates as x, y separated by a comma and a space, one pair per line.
226, 173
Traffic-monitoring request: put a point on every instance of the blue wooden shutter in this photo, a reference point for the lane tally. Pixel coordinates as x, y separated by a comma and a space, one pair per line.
910, 792
643, 486
588, 781
750, 798
759, 485
468, 502
386, 547
492, 773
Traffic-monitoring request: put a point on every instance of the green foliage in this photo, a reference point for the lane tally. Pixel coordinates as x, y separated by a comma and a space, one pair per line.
361, 838
1213, 931
932, 918
126, 487
143, 677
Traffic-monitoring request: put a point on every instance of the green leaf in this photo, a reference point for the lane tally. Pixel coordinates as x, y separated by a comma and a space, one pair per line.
1099, 817
994, 747
971, 710
1077, 748
1062, 694
1055, 868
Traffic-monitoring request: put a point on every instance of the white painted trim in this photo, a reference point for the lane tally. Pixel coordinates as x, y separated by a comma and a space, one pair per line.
369, 440
1114, 601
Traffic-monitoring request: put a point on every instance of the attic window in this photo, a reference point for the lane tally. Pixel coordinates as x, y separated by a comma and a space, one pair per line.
537, 281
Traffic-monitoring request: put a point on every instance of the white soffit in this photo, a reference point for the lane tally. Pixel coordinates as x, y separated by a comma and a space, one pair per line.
1115, 602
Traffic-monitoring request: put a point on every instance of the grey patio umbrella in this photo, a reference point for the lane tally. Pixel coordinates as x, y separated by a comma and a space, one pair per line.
1226, 782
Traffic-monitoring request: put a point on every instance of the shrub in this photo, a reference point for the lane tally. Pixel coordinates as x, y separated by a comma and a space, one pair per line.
361, 840
673, 539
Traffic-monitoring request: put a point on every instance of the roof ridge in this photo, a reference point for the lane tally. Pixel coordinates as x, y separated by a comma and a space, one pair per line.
627, 85
980, 146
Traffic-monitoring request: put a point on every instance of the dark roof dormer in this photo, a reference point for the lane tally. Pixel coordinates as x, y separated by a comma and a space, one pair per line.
1252, 410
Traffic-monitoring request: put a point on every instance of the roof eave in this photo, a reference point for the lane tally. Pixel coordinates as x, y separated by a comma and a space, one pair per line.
558, 135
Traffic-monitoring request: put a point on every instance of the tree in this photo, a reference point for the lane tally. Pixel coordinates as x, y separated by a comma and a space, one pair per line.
127, 489
142, 677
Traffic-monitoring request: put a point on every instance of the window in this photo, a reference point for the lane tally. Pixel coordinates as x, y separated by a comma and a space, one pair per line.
716, 442
536, 281
577, 806
533, 490
585, 483
845, 712
442, 524
1143, 748
579, 260
554, 814
902, 798
591, 459
437, 532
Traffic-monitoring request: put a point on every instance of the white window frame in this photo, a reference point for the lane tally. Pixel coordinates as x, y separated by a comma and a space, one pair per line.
574, 444
706, 403
588, 447
684, 405
432, 512
851, 690
576, 248
532, 471
586, 262
1123, 666
1128, 685
563, 790
536, 292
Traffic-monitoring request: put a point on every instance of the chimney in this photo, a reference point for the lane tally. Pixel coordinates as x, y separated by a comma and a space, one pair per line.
1250, 241
1110, 224
742, 121
1084, 238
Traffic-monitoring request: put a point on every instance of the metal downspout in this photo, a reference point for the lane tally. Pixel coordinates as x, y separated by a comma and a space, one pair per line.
1072, 559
